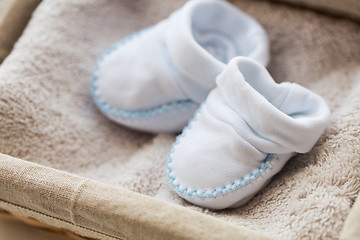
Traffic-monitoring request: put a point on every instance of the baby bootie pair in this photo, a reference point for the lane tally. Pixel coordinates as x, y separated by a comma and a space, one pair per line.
247, 127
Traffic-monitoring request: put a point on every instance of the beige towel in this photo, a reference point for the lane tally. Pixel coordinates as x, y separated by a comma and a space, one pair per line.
47, 115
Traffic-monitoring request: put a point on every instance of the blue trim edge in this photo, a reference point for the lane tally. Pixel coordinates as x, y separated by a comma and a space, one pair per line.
220, 191
106, 108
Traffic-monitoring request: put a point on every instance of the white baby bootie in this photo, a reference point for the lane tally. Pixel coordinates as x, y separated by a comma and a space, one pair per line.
154, 80
243, 135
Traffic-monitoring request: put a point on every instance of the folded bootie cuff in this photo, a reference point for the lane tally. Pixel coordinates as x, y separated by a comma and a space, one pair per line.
285, 114
208, 34
243, 134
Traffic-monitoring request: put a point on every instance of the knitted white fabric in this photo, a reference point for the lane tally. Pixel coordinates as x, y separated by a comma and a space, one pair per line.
243, 134
154, 80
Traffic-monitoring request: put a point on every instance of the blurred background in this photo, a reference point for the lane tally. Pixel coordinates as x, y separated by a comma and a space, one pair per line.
12, 229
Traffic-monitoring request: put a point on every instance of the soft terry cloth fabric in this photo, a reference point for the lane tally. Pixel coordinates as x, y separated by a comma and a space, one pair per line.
245, 132
47, 116
154, 80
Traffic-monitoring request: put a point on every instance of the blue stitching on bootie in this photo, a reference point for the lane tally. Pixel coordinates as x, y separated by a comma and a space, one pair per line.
220, 191
105, 107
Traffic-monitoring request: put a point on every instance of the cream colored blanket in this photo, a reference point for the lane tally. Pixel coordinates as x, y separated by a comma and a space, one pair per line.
47, 115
